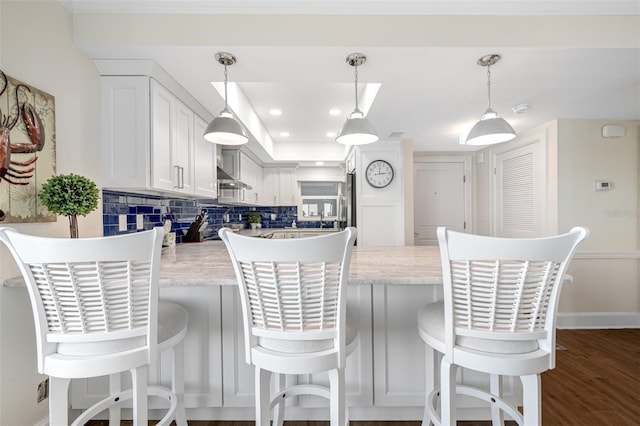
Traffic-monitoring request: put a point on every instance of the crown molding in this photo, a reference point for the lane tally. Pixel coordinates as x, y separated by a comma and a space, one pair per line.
358, 7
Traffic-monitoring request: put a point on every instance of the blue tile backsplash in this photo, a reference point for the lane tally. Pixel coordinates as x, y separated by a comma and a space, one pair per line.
181, 212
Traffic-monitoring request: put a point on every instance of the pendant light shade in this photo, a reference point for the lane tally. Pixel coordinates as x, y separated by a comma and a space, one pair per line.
225, 129
357, 130
491, 128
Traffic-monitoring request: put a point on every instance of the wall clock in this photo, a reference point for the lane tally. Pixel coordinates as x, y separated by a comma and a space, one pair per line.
379, 173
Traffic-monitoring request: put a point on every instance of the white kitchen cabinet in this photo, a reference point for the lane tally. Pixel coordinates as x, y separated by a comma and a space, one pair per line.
237, 375
270, 185
205, 164
287, 190
149, 139
280, 186
241, 167
172, 141
231, 162
163, 133
399, 362
251, 174
203, 344
126, 144
231, 165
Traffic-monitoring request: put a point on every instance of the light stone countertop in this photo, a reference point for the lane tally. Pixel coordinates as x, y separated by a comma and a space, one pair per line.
207, 263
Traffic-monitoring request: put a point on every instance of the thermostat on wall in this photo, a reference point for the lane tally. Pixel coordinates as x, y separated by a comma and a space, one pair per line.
603, 185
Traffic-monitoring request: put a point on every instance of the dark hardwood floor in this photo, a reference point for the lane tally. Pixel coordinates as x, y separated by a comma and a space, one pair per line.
596, 382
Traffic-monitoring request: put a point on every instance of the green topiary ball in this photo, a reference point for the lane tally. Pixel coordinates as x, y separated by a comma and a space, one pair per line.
69, 195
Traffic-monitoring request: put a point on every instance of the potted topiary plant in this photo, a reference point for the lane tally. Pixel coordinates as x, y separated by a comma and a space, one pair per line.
70, 195
254, 219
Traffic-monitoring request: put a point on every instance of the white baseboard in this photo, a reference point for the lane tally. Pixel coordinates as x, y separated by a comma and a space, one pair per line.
578, 320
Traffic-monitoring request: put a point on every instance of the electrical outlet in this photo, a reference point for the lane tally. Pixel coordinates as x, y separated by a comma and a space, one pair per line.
43, 390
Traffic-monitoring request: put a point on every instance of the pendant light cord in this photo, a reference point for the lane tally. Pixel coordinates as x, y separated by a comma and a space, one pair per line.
225, 87
489, 86
356, 85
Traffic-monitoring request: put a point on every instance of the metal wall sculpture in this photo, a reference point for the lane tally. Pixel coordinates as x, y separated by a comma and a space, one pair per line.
27, 150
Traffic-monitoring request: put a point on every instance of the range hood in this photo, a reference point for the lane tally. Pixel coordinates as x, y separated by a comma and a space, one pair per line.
226, 181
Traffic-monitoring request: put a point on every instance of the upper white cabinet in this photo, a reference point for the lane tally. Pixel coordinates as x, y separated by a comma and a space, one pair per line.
288, 187
205, 170
280, 186
251, 174
241, 167
152, 141
172, 143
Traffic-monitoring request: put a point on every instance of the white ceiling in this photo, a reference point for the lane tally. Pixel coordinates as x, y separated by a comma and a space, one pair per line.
429, 90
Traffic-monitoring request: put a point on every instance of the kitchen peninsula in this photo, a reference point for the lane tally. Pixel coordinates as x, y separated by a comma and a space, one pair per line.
385, 375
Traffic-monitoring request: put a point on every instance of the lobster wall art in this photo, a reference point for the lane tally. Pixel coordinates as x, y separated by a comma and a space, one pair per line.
27, 150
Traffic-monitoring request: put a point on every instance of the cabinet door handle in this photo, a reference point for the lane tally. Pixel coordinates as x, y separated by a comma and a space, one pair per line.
180, 173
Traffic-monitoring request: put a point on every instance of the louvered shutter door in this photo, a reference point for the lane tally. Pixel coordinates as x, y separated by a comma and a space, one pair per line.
520, 187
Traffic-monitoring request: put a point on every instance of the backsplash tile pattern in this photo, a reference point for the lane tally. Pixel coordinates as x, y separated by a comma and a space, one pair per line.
155, 210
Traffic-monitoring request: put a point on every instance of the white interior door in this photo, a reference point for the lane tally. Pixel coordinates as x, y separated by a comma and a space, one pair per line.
439, 198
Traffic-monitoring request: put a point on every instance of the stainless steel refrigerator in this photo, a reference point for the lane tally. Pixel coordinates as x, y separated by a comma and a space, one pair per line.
350, 199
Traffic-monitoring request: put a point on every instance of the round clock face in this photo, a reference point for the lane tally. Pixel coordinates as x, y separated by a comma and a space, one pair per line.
379, 173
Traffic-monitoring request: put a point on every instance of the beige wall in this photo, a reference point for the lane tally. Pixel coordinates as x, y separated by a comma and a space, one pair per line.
36, 47
584, 156
606, 280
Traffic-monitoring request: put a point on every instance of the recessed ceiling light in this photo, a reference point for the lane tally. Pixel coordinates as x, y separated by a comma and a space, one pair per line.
275, 111
319, 163
284, 134
334, 111
331, 134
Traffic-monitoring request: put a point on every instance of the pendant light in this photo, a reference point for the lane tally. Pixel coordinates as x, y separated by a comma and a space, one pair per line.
357, 130
491, 128
224, 129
